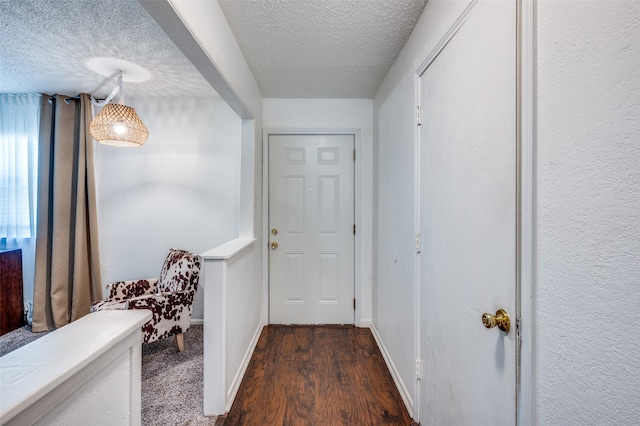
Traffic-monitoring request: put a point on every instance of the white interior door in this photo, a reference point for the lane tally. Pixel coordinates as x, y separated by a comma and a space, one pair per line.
468, 222
311, 229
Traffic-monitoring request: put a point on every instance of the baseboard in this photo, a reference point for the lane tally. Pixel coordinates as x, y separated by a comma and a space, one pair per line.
235, 385
197, 321
364, 323
404, 392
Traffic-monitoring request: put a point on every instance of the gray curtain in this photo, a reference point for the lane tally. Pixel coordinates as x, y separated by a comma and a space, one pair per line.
67, 273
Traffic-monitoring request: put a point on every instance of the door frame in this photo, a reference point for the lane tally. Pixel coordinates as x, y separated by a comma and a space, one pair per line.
362, 293
526, 125
526, 80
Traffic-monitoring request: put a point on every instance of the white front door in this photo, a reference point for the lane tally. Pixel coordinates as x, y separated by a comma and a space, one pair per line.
468, 222
311, 229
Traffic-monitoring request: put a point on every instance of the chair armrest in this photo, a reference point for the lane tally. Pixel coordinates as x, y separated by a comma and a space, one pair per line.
123, 290
150, 301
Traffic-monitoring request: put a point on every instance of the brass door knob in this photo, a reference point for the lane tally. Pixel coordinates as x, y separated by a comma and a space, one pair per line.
501, 319
274, 245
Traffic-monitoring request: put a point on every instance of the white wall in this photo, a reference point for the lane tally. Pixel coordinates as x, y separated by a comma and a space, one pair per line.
338, 114
588, 215
180, 189
394, 249
233, 320
394, 171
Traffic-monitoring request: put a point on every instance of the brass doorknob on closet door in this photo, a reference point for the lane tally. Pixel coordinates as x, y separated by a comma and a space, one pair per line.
500, 319
274, 245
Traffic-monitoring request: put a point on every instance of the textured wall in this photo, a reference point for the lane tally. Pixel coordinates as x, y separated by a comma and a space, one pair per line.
394, 232
394, 257
180, 189
588, 212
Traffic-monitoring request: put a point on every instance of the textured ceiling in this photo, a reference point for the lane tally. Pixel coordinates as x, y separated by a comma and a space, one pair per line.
321, 48
295, 48
45, 46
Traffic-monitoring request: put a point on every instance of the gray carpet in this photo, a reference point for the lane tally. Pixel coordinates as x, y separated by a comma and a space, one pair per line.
171, 380
13, 340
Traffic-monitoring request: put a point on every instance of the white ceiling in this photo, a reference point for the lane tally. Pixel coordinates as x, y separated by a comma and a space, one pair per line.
295, 48
45, 46
321, 48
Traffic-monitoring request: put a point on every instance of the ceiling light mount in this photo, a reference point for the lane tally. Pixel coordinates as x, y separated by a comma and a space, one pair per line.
117, 124
107, 67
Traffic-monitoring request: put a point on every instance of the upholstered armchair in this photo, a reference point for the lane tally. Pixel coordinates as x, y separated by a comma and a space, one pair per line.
169, 297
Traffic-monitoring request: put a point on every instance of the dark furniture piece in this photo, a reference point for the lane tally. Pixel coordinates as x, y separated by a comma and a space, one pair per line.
11, 303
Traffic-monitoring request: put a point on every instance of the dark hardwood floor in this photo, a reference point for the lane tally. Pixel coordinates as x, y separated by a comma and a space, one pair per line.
317, 375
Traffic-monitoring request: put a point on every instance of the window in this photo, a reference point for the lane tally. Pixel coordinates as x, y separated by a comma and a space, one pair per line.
19, 128
19, 133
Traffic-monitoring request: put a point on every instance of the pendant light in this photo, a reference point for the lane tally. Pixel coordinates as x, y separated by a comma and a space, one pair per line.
117, 124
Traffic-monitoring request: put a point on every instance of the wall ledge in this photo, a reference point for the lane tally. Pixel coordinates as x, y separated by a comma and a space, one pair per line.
229, 249
31, 373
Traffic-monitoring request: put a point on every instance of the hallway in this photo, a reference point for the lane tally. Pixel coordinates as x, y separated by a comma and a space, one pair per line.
317, 375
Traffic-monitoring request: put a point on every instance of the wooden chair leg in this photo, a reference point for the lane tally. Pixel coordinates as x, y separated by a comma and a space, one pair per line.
180, 341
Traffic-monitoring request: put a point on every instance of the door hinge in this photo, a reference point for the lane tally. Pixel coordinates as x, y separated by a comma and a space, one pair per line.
354, 229
354, 155
418, 243
418, 118
354, 304
418, 372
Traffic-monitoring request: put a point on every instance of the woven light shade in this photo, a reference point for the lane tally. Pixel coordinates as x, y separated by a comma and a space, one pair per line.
118, 125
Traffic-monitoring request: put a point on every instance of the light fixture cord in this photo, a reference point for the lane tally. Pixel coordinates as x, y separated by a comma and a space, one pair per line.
120, 88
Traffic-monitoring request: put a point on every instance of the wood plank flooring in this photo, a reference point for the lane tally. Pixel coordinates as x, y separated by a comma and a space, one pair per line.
317, 375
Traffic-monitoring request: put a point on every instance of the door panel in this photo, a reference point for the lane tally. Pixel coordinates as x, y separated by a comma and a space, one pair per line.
294, 205
311, 207
468, 222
